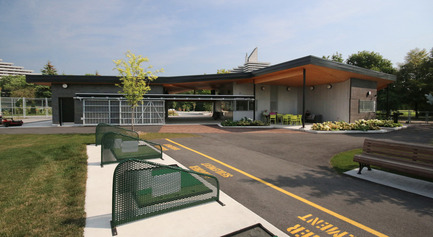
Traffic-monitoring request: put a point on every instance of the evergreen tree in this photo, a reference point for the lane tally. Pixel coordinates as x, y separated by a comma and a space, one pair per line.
49, 69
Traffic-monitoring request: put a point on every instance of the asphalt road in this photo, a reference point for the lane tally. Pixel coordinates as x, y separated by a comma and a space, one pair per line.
313, 200
286, 178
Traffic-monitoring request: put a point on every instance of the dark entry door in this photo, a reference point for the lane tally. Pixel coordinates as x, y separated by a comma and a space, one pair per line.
66, 110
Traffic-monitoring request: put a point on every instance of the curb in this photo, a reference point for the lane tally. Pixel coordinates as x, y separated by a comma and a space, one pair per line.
382, 130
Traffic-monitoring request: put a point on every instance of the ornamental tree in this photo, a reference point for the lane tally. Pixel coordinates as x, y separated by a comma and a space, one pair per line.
134, 79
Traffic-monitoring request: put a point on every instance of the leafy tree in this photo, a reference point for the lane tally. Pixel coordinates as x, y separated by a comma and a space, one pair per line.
415, 79
90, 74
337, 57
222, 71
387, 99
371, 60
16, 86
45, 91
134, 79
42, 91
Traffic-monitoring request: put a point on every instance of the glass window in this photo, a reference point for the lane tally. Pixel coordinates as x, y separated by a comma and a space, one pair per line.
366, 106
241, 105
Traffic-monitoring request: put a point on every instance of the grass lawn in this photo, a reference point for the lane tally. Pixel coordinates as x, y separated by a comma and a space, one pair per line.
43, 180
43, 183
343, 162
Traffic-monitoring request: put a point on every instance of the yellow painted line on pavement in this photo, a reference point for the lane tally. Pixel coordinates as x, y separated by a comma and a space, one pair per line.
343, 218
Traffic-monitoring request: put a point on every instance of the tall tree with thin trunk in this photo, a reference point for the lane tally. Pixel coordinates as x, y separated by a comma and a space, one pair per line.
134, 79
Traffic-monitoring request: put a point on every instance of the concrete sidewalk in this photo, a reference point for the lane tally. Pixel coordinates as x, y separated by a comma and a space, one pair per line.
210, 219
404, 183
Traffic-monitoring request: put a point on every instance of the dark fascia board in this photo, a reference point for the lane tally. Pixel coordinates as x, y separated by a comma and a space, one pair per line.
165, 96
202, 78
312, 60
59, 79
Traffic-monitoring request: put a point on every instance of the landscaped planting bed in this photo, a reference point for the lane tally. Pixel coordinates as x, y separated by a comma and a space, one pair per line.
362, 125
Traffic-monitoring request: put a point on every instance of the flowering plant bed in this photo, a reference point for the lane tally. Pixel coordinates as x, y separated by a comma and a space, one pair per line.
244, 122
362, 125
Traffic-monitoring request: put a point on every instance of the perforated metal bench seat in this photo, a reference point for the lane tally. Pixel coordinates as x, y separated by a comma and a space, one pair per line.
143, 152
116, 147
142, 189
103, 128
189, 186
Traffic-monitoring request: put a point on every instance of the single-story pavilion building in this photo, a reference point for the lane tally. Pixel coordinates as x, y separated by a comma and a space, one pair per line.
335, 91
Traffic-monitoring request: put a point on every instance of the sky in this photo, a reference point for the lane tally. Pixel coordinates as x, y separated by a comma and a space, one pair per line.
193, 37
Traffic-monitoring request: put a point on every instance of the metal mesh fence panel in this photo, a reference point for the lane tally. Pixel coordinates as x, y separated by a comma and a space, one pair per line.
103, 128
118, 111
116, 147
142, 189
25, 107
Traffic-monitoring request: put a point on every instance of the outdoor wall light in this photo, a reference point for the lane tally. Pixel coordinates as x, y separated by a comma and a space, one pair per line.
262, 88
312, 88
368, 93
288, 88
329, 86
65, 86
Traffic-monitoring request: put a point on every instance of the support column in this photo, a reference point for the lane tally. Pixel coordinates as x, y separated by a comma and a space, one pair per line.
304, 73
24, 107
255, 106
387, 102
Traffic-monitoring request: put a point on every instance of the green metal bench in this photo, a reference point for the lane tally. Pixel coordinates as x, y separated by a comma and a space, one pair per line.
103, 128
116, 147
142, 189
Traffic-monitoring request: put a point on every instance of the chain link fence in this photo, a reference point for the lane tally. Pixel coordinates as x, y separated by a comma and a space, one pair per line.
25, 107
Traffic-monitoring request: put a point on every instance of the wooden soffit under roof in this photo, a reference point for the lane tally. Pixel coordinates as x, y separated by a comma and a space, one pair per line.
318, 72
315, 75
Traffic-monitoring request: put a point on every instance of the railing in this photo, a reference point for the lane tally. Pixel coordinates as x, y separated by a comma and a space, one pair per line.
25, 107
410, 116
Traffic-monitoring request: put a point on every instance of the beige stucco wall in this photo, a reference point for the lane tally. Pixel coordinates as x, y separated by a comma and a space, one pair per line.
340, 103
288, 99
332, 104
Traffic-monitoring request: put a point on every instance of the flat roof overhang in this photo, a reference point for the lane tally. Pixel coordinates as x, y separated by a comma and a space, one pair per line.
318, 71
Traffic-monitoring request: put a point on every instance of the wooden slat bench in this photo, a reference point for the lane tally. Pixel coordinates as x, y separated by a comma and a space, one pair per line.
405, 157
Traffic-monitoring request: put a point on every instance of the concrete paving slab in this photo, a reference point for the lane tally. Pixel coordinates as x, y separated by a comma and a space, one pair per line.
404, 183
210, 219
